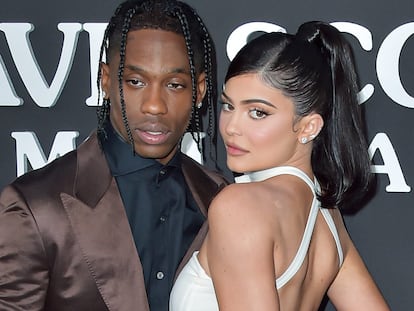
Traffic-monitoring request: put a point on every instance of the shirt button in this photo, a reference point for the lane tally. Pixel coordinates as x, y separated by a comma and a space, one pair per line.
163, 218
162, 172
160, 275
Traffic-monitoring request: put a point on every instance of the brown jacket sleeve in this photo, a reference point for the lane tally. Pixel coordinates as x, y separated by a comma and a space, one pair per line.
23, 265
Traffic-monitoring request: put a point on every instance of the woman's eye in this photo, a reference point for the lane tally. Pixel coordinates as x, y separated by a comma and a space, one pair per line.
226, 107
257, 113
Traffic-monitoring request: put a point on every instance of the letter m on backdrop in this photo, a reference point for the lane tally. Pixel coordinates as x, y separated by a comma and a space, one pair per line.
29, 150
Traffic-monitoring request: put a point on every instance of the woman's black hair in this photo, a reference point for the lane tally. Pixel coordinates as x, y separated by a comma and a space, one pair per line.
316, 69
169, 15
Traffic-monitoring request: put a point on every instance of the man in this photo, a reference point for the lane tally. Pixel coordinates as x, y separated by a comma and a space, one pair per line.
107, 226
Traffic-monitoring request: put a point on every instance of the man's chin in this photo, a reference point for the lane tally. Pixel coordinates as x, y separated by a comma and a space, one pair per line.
159, 153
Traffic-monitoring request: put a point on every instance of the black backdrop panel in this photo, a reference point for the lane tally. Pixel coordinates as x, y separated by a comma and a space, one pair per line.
45, 83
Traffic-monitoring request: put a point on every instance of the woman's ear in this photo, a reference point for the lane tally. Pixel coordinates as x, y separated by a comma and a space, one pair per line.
310, 127
201, 89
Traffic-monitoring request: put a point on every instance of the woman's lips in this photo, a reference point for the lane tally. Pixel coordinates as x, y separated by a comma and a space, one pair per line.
235, 150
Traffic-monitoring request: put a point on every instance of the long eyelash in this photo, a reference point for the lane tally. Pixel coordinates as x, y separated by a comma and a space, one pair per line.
223, 104
261, 111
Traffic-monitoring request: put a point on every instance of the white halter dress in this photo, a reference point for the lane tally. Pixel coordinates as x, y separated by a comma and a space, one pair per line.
194, 290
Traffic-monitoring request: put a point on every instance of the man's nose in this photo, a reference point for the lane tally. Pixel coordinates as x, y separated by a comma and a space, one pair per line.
154, 102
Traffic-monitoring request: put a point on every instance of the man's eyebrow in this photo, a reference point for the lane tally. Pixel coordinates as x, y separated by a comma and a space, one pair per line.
135, 68
140, 69
250, 100
179, 70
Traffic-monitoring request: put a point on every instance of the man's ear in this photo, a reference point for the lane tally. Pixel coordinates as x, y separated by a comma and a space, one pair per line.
310, 126
105, 80
201, 88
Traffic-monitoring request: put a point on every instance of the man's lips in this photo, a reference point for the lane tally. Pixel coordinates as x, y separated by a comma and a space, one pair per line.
152, 134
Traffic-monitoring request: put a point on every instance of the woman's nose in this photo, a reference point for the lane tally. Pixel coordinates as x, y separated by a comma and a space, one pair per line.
230, 123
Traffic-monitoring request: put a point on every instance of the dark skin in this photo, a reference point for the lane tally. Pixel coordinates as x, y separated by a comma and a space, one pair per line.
157, 92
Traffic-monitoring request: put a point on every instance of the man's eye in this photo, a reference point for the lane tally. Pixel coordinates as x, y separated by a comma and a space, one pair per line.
257, 114
175, 86
136, 82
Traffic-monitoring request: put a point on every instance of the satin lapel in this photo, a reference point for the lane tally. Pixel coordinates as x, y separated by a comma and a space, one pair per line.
93, 176
105, 239
101, 226
203, 185
203, 189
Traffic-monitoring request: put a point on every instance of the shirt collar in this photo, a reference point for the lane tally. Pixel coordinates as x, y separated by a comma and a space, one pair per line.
121, 158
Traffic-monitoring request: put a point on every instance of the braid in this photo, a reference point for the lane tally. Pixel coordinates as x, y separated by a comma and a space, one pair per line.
187, 38
168, 15
104, 109
194, 122
210, 82
124, 33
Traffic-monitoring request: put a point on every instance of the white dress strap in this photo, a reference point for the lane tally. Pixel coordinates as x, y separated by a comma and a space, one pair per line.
272, 172
310, 224
332, 227
194, 289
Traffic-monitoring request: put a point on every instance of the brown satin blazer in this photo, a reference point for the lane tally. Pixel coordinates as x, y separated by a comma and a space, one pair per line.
65, 240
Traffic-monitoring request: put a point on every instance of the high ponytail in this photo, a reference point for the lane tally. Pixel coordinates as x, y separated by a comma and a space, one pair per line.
342, 149
315, 68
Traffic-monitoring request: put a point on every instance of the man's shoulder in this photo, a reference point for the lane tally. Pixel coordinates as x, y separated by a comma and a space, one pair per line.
190, 166
55, 169
55, 177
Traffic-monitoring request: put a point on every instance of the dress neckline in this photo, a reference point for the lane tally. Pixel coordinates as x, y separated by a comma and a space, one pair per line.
262, 175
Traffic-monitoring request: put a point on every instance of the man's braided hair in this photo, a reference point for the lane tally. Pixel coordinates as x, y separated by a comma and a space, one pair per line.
169, 15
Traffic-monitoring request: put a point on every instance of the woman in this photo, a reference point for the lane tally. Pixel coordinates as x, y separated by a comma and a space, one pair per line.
291, 123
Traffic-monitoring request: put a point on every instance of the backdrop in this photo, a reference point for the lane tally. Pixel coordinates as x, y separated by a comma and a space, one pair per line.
48, 61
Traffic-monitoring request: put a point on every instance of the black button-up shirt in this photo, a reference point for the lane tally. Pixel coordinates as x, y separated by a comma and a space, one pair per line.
162, 213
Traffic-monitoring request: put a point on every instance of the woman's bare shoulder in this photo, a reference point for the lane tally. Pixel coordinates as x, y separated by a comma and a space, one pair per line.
258, 204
